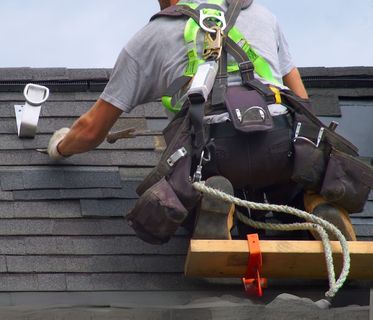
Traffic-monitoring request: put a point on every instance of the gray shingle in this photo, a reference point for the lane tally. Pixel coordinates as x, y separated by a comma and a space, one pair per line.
6, 196
84, 193
127, 282
65, 108
91, 264
326, 105
7, 209
34, 195
134, 172
12, 245
18, 282
88, 74
90, 227
91, 177
89, 245
157, 124
44, 209
128, 190
106, 208
51, 282
16, 74
32, 282
365, 230
11, 180
66, 194
50, 125
15, 227
12, 142
43, 74
3, 266
92, 158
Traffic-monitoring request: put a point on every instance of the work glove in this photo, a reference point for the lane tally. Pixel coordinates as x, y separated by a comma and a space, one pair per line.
57, 137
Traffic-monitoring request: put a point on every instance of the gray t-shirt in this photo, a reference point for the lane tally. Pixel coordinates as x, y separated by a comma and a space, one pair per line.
156, 56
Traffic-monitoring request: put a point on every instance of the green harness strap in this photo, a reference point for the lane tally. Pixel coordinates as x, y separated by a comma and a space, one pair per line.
261, 66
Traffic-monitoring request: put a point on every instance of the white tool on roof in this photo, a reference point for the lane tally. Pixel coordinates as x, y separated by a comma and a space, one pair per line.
27, 115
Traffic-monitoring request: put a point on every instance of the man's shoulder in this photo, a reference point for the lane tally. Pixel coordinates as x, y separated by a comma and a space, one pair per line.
158, 33
261, 10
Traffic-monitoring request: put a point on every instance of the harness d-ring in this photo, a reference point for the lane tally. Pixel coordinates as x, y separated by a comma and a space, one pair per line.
218, 18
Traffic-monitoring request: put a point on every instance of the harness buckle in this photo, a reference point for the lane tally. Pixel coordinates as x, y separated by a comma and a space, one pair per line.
246, 70
213, 44
217, 16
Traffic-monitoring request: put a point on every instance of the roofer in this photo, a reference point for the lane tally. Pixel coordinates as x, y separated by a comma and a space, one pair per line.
253, 131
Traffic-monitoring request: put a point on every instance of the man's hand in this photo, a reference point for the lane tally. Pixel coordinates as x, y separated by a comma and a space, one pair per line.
57, 137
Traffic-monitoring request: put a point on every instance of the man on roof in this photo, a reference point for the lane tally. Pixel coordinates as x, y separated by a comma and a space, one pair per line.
254, 159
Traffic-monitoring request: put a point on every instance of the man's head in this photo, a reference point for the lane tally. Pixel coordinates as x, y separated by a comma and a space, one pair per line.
166, 3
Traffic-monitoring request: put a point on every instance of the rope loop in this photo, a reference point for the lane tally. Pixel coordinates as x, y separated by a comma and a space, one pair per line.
313, 223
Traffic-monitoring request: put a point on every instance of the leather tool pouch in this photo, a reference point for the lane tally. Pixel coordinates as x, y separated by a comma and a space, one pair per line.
166, 194
347, 181
157, 214
248, 110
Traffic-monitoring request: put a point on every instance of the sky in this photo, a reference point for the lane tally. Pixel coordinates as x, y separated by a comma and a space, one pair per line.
91, 33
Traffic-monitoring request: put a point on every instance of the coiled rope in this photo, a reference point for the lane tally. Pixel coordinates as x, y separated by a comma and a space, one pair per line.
313, 223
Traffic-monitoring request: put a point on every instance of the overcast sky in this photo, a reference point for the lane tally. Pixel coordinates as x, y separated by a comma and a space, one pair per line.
91, 33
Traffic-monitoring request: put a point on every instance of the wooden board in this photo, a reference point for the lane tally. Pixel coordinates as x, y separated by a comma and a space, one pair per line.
281, 259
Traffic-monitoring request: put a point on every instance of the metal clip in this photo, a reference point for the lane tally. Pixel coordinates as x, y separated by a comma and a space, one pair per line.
319, 137
239, 115
218, 16
197, 177
27, 116
176, 156
213, 44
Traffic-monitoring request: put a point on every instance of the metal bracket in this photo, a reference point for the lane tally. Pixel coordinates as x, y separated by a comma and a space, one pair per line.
176, 156
27, 115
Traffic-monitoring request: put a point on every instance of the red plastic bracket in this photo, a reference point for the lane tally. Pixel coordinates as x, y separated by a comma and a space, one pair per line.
252, 281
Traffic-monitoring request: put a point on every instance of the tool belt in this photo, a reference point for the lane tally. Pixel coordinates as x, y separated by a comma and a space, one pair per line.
325, 162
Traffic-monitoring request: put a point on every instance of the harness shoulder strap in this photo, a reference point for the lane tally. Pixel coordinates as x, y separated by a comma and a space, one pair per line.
168, 12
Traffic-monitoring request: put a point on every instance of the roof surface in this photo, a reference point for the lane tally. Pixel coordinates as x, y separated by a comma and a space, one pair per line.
62, 226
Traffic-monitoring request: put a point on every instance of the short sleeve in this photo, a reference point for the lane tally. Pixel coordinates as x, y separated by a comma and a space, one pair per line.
285, 59
122, 88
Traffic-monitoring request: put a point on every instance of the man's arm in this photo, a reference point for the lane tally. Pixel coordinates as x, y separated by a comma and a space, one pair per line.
90, 129
294, 82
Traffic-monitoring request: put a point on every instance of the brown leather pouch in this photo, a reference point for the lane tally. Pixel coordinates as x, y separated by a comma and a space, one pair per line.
347, 181
248, 110
157, 214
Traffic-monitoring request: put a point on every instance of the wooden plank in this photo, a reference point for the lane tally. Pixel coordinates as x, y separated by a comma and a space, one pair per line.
281, 259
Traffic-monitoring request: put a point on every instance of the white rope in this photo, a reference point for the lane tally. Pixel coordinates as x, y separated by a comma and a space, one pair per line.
313, 223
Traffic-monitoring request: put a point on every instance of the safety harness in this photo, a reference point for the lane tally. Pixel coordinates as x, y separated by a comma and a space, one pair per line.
221, 37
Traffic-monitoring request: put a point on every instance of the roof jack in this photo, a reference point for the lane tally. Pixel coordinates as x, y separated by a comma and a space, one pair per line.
27, 115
